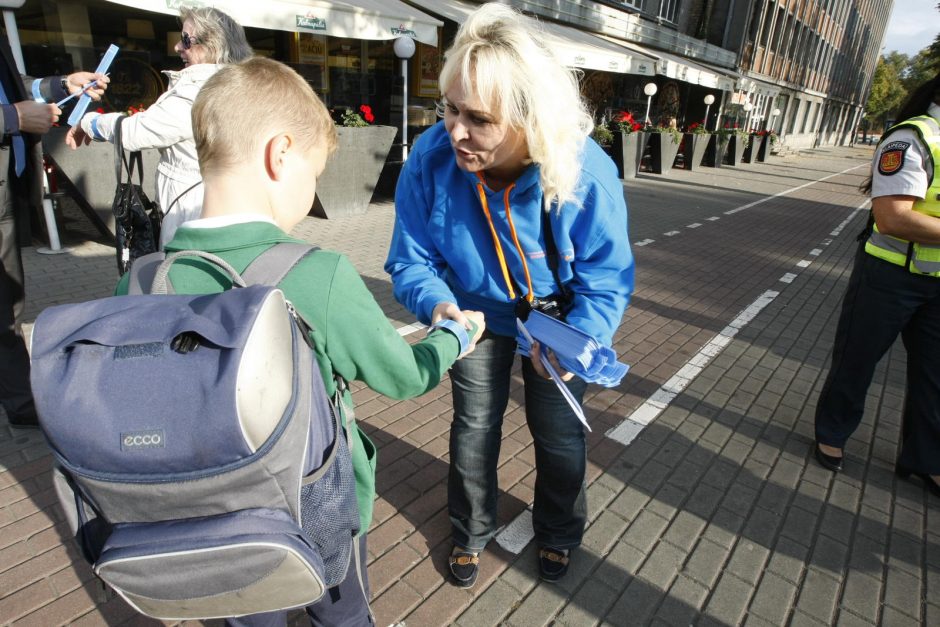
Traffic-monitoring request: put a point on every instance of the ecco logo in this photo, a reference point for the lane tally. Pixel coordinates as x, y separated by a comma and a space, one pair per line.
143, 439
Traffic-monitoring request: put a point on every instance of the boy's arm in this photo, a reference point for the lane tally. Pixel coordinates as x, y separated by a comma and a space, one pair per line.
363, 345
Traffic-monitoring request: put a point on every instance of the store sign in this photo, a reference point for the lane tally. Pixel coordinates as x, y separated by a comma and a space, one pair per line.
400, 30
311, 22
176, 5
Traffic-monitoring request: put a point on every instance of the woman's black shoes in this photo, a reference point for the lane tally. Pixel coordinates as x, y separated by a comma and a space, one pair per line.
829, 462
553, 563
464, 567
903, 472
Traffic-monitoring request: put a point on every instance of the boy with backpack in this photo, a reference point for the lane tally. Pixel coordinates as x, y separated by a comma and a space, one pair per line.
263, 137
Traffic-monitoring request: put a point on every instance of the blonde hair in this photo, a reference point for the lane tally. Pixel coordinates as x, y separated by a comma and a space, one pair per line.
222, 36
243, 104
507, 60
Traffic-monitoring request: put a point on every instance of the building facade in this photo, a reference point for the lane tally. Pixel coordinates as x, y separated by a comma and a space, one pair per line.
800, 67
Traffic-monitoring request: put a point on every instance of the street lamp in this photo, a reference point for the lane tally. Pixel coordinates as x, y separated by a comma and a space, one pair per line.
650, 90
709, 100
747, 114
773, 116
404, 48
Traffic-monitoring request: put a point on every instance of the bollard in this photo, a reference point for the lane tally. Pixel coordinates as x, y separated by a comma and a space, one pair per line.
48, 212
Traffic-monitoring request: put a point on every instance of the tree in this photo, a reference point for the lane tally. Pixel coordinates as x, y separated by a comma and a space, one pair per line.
887, 89
933, 51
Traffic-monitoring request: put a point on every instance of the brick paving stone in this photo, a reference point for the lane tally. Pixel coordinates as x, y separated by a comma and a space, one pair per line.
903, 592
538, 608
773, 599
788, 560
490, 607
587, 605
729, 600
645, 531
638, 602
861, 594
818, 595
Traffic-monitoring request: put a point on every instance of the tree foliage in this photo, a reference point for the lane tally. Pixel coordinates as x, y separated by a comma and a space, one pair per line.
896, 75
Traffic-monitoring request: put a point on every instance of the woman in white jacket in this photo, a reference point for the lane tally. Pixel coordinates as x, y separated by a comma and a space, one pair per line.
209, 39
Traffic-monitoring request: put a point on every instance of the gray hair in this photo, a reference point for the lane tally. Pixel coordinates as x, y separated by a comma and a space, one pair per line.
222, 36
508, 60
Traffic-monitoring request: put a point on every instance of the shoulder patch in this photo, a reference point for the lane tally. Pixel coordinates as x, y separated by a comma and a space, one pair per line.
892, 157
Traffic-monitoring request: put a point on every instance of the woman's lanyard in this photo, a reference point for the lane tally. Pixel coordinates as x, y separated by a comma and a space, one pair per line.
507, 276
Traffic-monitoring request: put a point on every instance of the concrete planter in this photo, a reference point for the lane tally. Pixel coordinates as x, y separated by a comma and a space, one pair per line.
715, 151
763, 153
89, 173
627, 152
735, 152
695, 146
663, 150
351, 174
753, 147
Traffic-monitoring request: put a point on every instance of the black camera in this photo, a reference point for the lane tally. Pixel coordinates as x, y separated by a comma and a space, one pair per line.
556, 306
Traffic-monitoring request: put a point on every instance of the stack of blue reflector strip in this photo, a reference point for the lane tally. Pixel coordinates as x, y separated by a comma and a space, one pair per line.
576, 351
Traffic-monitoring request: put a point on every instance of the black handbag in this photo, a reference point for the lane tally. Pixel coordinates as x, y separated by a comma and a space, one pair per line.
137, 219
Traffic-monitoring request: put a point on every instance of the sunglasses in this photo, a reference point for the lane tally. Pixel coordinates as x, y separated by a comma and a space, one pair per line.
187, 40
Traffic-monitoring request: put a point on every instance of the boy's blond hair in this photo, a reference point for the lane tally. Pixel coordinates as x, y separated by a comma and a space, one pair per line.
245, 104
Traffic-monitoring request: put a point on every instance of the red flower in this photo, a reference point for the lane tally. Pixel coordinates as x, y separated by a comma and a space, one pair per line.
99, 110
624, 116
367, 113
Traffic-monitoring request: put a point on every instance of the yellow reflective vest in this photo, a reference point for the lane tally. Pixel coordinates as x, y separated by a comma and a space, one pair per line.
918, 258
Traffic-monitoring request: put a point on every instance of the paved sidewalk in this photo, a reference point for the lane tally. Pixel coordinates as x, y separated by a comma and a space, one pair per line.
706, 505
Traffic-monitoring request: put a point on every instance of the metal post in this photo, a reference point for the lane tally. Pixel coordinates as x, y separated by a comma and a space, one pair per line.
404, 110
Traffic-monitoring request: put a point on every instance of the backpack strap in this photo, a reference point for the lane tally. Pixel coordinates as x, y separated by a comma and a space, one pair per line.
270, 268
274, 264
142, 273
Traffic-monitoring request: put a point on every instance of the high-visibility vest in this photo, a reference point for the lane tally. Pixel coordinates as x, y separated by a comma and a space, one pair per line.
918, 258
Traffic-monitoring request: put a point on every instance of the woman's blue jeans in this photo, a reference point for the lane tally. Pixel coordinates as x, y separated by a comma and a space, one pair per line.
481, 383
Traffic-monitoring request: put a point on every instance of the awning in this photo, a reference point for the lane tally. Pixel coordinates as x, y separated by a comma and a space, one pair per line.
576, 48
367, 19
681, 68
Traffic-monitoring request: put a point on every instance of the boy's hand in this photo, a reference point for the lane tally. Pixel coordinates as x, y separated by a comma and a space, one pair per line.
476, 317
448, 311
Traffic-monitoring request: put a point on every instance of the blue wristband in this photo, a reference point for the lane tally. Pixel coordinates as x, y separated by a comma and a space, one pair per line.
457, 329
94, 130
37, 93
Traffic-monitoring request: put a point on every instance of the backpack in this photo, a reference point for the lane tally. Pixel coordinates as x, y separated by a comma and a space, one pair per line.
202, 466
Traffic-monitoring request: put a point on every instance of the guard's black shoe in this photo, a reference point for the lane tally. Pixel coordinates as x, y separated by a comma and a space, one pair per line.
829, 462
464, 567
904, 472
553, 563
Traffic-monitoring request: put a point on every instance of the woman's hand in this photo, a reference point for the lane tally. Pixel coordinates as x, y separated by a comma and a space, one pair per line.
450, 311
477, 318
535, 352
77, 137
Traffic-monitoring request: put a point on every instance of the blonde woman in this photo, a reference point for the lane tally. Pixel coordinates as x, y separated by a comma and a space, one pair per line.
209, 39
504, 206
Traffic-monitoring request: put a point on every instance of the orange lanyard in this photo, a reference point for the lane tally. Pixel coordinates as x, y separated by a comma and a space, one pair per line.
499, 248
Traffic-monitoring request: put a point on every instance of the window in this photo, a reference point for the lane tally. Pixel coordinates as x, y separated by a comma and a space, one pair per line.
668, 9
636, 4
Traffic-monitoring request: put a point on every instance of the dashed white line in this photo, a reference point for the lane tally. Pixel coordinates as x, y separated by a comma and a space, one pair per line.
644, 242
408, 329
815, 252
713, 218
788, 277
804, 264
671, 233
694, 225
627, 430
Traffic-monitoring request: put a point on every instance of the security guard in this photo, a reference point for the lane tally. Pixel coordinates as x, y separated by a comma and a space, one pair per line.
894, 289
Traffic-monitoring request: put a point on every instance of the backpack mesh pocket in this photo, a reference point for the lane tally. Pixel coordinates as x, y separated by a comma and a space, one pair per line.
330, 514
